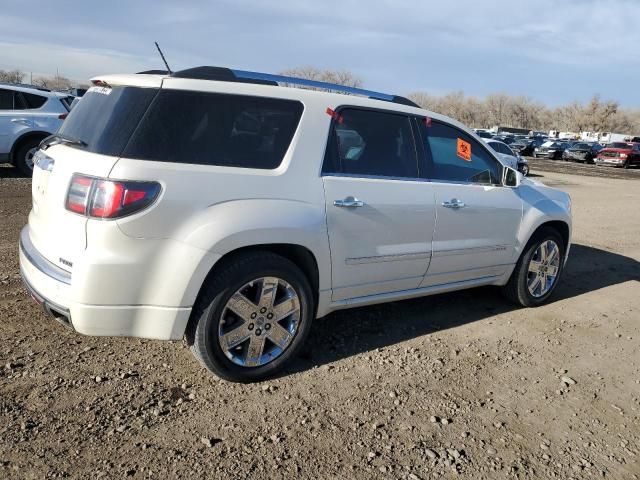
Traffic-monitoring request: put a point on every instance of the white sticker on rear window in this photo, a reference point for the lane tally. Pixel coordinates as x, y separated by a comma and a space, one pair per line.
102, 90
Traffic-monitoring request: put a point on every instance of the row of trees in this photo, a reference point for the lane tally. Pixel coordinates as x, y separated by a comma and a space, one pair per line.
496, 109
597, 115
54, 82
507, 110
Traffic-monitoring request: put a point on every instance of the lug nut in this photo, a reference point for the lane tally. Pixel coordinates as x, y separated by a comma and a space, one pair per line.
258, 331
263, 309
253, 315
267, 326
250, 327
270, 316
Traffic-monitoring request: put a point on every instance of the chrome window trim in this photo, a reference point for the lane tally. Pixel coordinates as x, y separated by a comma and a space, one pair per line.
409, 179
39, 262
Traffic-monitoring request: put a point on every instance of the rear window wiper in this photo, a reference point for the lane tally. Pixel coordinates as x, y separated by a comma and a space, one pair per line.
59, 138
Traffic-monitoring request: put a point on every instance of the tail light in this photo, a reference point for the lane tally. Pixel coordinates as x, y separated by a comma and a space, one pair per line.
62, 116
101, 198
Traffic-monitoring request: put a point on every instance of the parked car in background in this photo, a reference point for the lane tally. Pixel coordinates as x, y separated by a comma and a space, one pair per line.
619, 154
28, 115
510, 158
483, 133
217, 206
582, 152
523, 147
551, 149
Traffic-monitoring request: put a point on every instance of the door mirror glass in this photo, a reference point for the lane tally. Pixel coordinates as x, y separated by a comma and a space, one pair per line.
510, 177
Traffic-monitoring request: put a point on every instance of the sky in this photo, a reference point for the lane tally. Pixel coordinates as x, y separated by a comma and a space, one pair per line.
553, 51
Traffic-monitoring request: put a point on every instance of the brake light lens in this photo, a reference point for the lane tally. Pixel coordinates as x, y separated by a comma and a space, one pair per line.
101, 198
62, 116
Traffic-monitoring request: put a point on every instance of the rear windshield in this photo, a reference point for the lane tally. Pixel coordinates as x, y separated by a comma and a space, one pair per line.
619, 145
106, 118
216, 129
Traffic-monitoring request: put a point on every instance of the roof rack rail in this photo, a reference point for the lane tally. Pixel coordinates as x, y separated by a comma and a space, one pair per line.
228, 75
25, 85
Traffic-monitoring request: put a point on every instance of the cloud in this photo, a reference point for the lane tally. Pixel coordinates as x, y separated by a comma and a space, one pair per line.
552, 51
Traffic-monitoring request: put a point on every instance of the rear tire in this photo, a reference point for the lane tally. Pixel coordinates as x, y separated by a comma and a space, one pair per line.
24, 156
215, 318
517, 288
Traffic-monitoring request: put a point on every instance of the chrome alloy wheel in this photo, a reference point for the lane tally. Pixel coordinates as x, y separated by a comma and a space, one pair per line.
543, 268
29, 157
259, 322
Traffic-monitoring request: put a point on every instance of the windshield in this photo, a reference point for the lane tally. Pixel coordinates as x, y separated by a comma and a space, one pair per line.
106, 117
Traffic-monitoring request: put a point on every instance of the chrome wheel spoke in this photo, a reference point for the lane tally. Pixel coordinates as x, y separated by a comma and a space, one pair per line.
553, 254
279, 335
241, 306
552, 271
534, 284
286, 308
543, 283
268, 293
236, 336
534, 266
254, 351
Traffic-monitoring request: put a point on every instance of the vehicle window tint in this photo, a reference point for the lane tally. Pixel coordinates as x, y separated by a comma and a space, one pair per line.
31, 100
6, 99
106, 117
215, 129
369, 142
455, 156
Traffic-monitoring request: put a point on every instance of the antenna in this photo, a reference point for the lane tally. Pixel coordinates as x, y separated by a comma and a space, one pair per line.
163, 59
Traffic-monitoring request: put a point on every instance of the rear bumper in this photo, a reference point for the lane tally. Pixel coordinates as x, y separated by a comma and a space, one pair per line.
53, 288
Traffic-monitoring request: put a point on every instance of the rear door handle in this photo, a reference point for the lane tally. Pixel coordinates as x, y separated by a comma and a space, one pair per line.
454, 203
349, 202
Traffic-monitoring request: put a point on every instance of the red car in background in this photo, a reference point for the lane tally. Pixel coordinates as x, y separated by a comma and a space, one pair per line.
619, 154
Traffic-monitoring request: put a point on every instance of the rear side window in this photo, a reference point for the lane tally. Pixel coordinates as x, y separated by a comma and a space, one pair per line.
456, 157
106, 118
215, 129
373, 143
31, 100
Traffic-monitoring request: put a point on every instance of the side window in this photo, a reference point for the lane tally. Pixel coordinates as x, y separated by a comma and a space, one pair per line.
369, 142
215, 129
32, 100
6, 99
456, 157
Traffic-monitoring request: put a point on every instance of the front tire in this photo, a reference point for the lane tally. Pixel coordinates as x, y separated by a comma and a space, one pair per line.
538, 270
252, 317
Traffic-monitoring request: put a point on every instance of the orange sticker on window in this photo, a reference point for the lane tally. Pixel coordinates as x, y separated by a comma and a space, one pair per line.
464, 150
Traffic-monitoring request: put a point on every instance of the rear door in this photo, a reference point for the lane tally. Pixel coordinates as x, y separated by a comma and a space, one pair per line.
477, 218
380, 214
13, 122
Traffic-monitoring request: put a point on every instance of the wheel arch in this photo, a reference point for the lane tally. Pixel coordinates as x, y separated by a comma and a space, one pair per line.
40, 134
301, 256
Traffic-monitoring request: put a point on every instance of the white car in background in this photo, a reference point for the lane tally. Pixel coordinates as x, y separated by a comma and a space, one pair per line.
509, 157
28, 115
227, 208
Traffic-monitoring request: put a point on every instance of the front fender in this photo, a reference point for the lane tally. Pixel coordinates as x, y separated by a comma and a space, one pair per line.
541, 205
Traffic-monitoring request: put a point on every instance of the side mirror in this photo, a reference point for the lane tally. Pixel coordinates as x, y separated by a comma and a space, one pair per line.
510, 177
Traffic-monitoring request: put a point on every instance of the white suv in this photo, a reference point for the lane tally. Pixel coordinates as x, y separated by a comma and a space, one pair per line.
220, 206
28, 115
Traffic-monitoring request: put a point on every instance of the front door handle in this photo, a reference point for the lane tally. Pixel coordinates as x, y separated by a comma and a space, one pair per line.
454, 203
349, 202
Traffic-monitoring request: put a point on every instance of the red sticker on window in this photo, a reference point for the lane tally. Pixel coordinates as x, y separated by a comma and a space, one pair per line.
427, 121
335, 115
464, 150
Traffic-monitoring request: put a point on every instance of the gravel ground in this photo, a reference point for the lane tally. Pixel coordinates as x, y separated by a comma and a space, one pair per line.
461, 385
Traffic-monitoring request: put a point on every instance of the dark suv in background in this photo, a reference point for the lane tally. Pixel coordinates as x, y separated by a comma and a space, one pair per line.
582, 152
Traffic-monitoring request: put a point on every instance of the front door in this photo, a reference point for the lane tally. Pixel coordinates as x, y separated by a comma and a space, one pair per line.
380, 215
477, 218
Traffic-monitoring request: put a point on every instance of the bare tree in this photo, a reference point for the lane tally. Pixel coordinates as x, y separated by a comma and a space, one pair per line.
340, 77
56, 82
12, 76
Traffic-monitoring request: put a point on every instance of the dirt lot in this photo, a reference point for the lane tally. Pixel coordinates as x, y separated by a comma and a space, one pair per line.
460, 385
